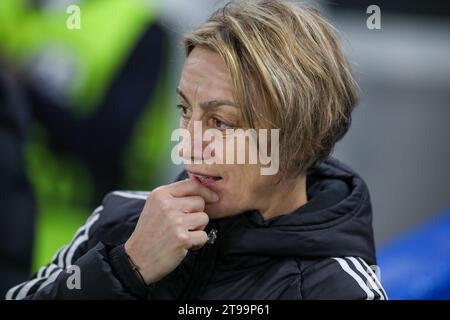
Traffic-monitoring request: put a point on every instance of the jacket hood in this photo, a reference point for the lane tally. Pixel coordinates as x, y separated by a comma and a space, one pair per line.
336, 221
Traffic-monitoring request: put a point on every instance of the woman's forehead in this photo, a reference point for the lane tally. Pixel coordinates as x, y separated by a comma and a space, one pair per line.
205, 77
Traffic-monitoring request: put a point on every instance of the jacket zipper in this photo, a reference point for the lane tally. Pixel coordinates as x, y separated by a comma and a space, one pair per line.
203, 266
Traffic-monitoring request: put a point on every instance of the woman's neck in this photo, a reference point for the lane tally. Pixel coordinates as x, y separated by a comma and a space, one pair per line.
285, 198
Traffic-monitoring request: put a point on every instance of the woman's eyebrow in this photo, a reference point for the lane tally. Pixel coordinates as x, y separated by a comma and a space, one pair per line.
209, 104
178, 90
216, 103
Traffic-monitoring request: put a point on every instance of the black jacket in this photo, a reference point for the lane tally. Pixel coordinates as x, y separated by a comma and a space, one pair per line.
321, 251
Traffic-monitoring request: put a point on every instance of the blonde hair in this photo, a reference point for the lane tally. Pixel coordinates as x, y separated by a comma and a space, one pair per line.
288, 72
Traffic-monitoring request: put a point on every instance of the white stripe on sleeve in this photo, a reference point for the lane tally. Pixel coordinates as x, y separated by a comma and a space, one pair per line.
368, 277
344, 265
375, 277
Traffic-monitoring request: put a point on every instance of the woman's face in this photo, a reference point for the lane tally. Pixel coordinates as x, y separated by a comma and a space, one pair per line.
205, 94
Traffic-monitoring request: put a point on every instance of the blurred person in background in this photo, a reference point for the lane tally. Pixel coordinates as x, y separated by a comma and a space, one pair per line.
93, 93
226, 231
17, 205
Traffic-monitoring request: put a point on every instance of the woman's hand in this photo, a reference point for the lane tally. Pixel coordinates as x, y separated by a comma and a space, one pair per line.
170, 224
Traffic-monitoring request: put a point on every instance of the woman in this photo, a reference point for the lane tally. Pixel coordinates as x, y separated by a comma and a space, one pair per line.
226, 231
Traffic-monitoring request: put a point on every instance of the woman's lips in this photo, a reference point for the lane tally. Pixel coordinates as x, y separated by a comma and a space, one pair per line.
206, 180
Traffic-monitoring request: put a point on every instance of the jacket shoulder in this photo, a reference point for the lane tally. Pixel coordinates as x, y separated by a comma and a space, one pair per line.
340, 278
118, 215
111, 223
121, 206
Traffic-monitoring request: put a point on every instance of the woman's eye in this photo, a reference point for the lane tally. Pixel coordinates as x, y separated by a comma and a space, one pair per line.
183, 110
219, 124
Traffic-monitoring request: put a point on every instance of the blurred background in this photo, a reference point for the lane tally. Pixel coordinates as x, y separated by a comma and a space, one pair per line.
90, 110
